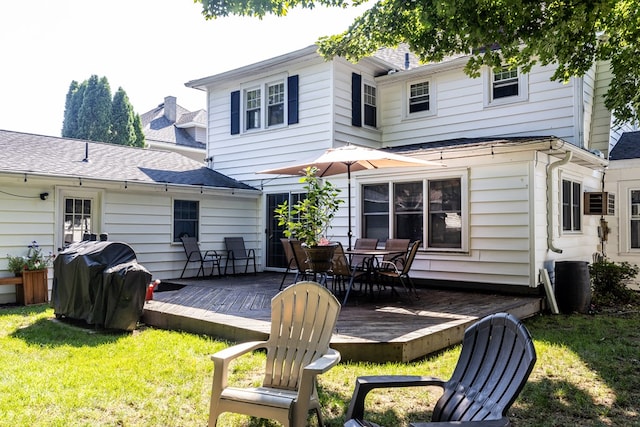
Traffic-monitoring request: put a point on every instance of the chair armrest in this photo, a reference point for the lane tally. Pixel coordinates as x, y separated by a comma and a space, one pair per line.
388, 266
323, 364
223, 358
251, 251
367, 383
502, 422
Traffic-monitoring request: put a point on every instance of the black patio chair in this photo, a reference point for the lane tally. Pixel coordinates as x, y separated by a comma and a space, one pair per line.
192, 250
398, 270
292, 265
495, 362
236, 251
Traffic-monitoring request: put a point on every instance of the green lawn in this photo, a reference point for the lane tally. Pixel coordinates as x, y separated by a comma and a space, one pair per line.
55, 374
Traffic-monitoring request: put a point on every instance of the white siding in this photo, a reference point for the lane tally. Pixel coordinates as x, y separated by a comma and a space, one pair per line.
461, 112
141, 217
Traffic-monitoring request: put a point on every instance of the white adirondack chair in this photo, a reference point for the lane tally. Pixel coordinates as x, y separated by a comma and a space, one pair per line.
303, 318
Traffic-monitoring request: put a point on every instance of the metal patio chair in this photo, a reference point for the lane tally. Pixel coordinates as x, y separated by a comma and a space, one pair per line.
292, 265
236, 251
398, 270
194, 254
495, 362
303, 318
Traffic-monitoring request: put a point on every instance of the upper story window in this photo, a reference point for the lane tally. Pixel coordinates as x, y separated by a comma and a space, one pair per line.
265, 105
634, 220
505, 86
571, 205
370, 110
419, 97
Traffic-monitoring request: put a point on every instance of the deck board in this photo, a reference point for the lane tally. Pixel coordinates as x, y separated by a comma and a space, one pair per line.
383, 328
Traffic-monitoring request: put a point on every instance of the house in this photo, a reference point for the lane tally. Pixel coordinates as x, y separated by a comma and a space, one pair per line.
54, 190
172, 127
520, 153
621, 201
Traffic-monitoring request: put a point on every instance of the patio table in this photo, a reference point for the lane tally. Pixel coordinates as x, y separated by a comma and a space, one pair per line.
369, 267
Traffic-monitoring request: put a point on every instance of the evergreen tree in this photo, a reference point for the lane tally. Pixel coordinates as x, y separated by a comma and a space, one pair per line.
71, 107
122, 116
91, 114
94, 116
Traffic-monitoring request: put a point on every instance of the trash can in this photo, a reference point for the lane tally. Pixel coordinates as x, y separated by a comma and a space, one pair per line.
101, 283
572, 286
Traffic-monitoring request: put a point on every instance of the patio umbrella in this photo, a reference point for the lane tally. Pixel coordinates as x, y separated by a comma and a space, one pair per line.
351, 158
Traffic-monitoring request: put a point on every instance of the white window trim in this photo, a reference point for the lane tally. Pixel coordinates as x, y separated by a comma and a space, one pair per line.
564, 176
432, 99
373, 85
97, 197
262, 85
487, 92
624, 212
173, 209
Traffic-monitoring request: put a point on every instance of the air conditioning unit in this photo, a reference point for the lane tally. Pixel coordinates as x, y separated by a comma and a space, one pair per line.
599, 203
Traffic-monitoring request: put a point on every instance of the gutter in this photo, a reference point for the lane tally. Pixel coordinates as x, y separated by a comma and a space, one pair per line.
550, 169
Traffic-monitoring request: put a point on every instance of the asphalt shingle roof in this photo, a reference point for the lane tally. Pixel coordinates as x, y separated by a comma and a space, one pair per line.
64, 157
157, 127
628, 147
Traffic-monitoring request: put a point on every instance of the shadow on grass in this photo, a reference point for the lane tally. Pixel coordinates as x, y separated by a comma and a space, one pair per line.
51, 332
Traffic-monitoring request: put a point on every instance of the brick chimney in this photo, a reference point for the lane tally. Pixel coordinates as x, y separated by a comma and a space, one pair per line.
170, 108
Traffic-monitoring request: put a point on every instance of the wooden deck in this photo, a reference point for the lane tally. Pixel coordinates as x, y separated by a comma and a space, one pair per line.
384, 328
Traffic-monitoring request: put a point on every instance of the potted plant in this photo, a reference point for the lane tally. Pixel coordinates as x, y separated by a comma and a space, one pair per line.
33, 261
33, 269
310, 218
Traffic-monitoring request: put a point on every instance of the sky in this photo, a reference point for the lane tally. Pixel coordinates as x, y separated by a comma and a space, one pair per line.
150, 48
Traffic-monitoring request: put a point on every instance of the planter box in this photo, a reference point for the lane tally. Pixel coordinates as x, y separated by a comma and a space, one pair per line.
34, 288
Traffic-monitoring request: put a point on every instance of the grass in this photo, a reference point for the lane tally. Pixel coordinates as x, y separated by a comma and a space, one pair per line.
53, 373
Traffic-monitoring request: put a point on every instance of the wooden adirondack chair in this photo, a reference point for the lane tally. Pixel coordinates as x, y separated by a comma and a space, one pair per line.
495, 362
303, 318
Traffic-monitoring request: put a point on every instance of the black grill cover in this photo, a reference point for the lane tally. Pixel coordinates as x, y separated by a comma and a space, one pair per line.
101, 283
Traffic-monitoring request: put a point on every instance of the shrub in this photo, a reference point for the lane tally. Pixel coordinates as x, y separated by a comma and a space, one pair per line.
609, 282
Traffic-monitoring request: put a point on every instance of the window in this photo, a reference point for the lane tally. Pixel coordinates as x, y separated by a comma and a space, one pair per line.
370, 111
571, 205
445, 214
635, 219
419, 97
252, 109
264, 105
375, 211
78, 219
505, 86
505, 83
186, 214
406, 211
275, 104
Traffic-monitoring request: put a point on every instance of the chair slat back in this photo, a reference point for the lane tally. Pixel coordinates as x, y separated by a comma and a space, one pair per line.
411, 255
191, 248
236, 245
288, 254
303, 318
366, 244
496, 359
340, 262
399, 245
300, 256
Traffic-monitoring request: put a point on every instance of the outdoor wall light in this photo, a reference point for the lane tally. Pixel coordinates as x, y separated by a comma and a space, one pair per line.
43, 196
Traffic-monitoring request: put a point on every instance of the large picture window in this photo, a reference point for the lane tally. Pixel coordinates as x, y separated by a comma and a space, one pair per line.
571, 205
186, 216
405, 211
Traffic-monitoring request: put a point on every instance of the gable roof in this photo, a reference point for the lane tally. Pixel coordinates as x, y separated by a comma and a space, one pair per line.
628, 147
26, 153
159, 128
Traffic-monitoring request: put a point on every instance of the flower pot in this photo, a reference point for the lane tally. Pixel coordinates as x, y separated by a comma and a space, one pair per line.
34, 288
319, 258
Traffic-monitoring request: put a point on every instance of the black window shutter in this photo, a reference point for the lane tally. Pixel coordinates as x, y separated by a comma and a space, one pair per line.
356, 99
235, 112
292, 99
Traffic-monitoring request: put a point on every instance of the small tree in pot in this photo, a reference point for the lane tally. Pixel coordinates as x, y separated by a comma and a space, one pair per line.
310, 218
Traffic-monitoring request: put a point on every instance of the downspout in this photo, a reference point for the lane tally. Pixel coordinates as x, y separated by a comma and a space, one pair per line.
550, 169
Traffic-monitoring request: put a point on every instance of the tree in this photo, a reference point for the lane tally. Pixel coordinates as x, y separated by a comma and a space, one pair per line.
123, 122
91, 114
572, 34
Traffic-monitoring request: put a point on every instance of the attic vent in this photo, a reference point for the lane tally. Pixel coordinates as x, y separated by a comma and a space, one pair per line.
599, 203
